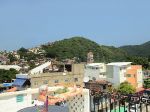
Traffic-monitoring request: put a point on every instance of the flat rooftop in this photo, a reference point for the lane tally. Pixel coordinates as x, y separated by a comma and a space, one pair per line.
119, 63
94, 64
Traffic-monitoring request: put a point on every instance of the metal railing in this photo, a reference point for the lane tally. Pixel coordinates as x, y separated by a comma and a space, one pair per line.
116, 102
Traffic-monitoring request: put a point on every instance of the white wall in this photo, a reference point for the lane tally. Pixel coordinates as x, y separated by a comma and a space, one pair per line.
123, 75
97, 73
8, 102
139, 78
118, 75
86, 100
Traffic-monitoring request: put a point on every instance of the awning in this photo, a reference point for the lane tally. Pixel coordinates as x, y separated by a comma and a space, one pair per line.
19, 82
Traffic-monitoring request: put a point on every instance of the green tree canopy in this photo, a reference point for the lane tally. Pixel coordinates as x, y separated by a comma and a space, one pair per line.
79, 47
126, 88
139, 61
7, 75
12, 58
23, 50
147, 83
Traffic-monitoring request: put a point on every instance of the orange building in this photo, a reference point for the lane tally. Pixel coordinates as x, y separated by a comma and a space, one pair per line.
134, 76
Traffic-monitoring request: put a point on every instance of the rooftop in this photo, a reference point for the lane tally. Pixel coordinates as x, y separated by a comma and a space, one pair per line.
99, 82
94, 64
119, 63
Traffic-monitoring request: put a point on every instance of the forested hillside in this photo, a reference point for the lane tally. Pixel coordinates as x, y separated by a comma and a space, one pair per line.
142, 50
79, 47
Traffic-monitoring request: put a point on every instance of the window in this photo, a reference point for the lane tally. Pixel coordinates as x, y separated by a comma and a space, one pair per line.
76, 79
104, 86
66, 80
96, 68
134, 75
128, 75
101, 74
56, 81
45, 82
93, 78
35, 83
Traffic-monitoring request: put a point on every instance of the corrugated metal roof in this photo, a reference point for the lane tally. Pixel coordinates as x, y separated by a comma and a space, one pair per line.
19, 82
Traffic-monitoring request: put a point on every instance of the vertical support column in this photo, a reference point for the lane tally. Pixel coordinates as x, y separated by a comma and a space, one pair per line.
29, 97
86, 100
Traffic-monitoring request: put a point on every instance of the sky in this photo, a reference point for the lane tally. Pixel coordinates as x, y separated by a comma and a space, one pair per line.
28, 23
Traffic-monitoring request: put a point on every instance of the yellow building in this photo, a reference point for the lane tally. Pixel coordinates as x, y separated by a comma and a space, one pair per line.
75, 76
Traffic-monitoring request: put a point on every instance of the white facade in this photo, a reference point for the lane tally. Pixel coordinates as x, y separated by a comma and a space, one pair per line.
95, 70
40, 68
116, 72
139, 78
7, 67
9, 102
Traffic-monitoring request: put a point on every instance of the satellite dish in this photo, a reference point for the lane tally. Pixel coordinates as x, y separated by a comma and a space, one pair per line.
93, 78
86, 79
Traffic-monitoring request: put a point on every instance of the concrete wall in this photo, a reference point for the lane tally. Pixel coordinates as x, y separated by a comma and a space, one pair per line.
139, 78
56, 78
98, 72
115, 74
8, 101
76, 77
78, 69
123, 74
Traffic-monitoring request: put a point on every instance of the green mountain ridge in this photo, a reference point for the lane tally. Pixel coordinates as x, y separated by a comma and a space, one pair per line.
79, 47
142, 50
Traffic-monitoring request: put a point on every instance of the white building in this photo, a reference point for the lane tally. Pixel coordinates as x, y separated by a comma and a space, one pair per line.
116, 72
7, 67
95, 71
40, 68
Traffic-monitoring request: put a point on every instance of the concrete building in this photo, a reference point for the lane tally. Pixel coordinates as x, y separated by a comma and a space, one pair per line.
72, 75
95, 71
123, 71
116, 72
134, 76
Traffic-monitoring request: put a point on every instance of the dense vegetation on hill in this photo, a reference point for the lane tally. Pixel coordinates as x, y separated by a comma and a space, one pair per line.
78, 47
142, 50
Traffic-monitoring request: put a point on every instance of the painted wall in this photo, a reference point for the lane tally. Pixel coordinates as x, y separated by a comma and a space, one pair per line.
10, 102
115, 74
139, 78
98, 72
15, 102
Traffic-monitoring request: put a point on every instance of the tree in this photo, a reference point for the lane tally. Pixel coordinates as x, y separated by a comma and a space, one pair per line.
7, 75
12, 58
22, 49
126, 88
139, 61
147, 83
